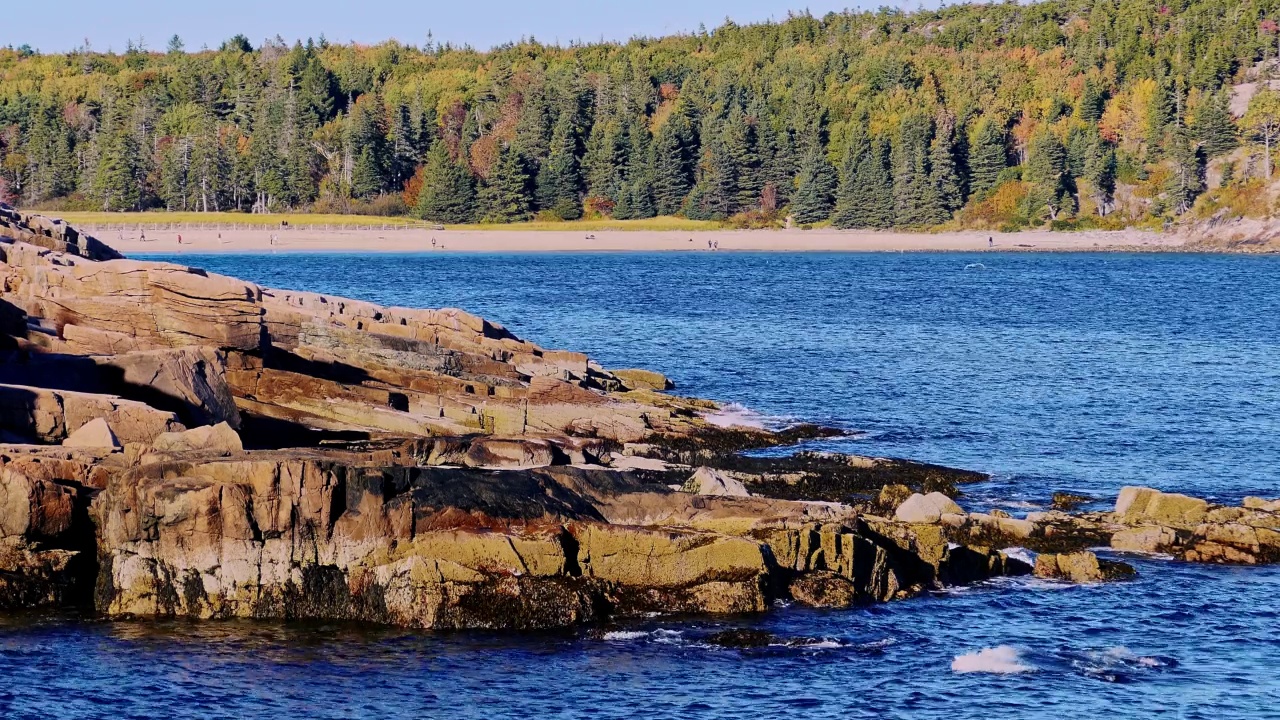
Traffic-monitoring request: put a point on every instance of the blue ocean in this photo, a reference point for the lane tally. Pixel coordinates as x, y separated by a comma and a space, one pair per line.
1051, 372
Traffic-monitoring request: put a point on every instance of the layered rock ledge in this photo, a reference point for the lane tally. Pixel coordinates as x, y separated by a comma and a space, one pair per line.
175, 443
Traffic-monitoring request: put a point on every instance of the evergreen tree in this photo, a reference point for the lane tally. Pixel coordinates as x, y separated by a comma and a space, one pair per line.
988, 157
815, 188
448, 192
1046, 170
943, 172
1187, 180
671, 179
119, 172
559, 180
865, 198
1091, 103
915, 197
504, 196
600, 163
1100, 173
366, 176
1214, 127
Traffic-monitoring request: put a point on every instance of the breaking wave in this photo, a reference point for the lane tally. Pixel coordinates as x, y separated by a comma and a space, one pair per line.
736, 415
1002, 660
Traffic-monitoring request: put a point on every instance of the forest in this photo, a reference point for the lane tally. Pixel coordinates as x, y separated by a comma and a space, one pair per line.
1076, 113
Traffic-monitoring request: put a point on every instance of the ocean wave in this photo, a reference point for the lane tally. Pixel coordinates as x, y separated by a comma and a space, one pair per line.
736, 415
1117, 664
1022, 554
1001, 660
625, 635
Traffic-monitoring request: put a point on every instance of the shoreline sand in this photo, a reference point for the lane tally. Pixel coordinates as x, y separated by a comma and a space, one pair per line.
412, 240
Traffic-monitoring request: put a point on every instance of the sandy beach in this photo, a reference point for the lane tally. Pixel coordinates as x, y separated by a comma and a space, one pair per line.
509, 241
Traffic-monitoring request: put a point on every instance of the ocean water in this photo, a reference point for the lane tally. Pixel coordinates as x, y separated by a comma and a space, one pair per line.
1050, 371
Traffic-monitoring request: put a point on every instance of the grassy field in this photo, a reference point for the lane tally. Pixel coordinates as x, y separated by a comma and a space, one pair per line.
147, 219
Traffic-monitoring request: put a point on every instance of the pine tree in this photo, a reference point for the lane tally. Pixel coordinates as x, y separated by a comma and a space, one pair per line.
600, 162
865, 199
915, 198
1214, 127
815, 188
988, 157
1089, 108
448, 192
1046, 170
1187, 180
714, 195
504, 196
559, 180
942, 165
119, 172
670, 164
1159, 115
1100, 173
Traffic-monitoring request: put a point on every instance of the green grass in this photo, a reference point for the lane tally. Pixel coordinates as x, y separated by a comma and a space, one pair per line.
658, 223
88, 219
195, 218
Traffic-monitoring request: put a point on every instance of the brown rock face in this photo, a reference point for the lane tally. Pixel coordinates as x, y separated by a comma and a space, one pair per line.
1080, 567
51, 416
423, 468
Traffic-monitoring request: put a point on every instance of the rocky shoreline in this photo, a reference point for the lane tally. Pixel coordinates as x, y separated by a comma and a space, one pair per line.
180, 444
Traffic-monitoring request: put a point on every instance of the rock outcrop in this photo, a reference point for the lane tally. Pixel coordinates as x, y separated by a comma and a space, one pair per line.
199, 446
190, 445
1080, 567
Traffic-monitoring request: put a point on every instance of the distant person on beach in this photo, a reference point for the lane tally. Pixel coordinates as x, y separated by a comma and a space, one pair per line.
179, 238
142, 236
991, 242
433, 242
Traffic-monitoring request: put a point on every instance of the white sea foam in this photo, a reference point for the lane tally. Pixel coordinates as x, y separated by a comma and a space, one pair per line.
1021, 553
625, 635
736, 415
1121, 655
1001, 660
811, 644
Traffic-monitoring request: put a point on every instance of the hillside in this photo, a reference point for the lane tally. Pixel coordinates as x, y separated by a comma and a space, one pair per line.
1065, 112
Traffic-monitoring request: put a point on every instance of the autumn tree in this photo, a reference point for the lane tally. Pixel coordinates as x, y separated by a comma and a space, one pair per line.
1262, 122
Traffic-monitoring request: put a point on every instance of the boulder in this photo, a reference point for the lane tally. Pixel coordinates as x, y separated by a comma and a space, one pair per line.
1257, 503
825, 589
1137, 505
891, 496
1080, 567
1068, 500
926, 508
94, 434
643, 380
217, 439
49, 416
1145, 539
706, 481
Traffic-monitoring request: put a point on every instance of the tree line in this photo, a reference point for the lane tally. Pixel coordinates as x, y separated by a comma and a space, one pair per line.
1006, 114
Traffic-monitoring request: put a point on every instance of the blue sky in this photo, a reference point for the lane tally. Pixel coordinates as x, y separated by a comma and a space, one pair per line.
59, 25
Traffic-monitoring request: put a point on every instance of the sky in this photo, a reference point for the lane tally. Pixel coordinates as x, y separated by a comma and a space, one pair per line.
61, 25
